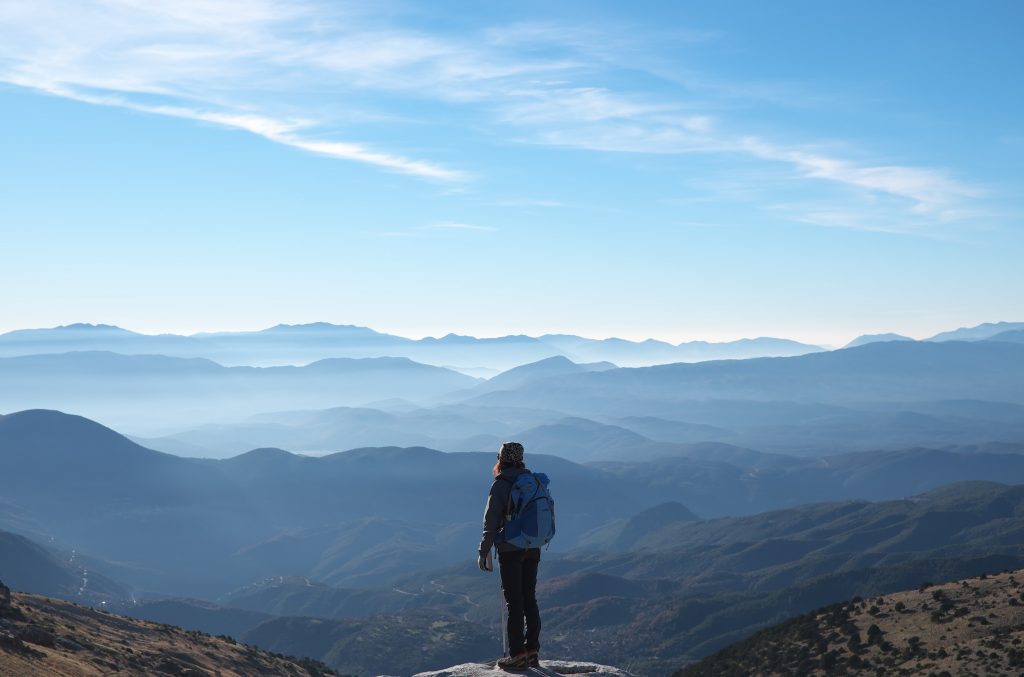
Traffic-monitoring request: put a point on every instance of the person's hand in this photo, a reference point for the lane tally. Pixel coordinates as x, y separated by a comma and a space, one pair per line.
485, 562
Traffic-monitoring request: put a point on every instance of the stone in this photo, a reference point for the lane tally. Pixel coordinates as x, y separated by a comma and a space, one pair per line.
546, 669
33, 634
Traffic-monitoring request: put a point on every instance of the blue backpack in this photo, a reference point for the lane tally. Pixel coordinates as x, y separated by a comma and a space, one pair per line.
530, 515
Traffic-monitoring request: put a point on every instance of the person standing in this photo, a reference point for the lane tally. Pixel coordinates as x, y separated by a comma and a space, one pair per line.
517, 565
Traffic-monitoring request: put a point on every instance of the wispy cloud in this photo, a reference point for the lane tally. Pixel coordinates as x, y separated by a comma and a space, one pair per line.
293, 72
202, 59
924, 191
929, 190
283, 131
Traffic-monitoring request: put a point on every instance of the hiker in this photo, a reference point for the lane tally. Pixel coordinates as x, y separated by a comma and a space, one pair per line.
518, 520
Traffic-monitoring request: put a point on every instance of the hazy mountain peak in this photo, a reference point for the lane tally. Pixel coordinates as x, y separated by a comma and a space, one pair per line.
549, 366
263, 453
49, 436
864, 339
453, 338
89, 326
62, 331
38, 421
651, 520
317, 327
977, 333
386, 454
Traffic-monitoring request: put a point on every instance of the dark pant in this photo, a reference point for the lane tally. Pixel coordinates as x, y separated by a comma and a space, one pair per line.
519, 583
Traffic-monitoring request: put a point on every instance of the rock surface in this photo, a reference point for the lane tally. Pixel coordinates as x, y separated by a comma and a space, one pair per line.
547, 668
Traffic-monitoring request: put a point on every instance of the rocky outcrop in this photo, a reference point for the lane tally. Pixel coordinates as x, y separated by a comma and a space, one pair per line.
5, 599
10, 641
547, 669
7, 608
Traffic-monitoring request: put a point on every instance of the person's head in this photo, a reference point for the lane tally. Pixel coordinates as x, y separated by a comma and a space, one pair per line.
509, 456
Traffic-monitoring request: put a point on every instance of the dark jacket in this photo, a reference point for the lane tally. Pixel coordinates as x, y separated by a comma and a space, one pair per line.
497, 504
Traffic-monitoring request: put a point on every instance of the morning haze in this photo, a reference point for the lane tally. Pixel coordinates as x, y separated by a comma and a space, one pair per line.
321, 318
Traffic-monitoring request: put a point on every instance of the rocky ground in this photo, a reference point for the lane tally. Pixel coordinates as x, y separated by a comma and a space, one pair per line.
968, 627
547, 669
45, 636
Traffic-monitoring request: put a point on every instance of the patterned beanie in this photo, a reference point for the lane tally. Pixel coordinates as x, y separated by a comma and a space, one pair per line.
511, 452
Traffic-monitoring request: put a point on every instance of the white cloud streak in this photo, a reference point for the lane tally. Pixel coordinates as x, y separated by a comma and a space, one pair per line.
262, 66
199, 55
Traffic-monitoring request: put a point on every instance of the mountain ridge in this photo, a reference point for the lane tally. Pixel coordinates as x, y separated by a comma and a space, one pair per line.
303, 343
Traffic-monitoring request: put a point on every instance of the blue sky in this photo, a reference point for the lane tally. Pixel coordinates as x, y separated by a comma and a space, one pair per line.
679, 170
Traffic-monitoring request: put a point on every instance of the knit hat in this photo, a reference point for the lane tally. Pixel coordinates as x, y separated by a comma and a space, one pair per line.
511, 452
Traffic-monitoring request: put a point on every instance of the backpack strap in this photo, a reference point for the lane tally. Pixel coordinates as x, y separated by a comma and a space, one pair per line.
508, 503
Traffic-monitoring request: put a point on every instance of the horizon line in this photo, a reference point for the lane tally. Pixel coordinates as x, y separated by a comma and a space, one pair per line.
421, 337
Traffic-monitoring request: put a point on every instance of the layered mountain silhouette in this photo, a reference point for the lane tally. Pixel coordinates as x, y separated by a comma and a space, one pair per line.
844, 397
344, 518
979, 333
897, 371
876, 338
650, 607
304, 343
697, 502
267, 512
302, 554
301, 344
154, 390
887, 395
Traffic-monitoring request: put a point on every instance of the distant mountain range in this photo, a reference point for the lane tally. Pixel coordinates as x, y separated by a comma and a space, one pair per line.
343, 519
990, 331
657, 609
698, 502
271, 537
888, 372
304, 343
982, 332
301, 344
882, 393
875, 338
156, 390
779, 427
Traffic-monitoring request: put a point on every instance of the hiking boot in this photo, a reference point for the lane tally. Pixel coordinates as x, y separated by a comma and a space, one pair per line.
521, 661
533, 659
